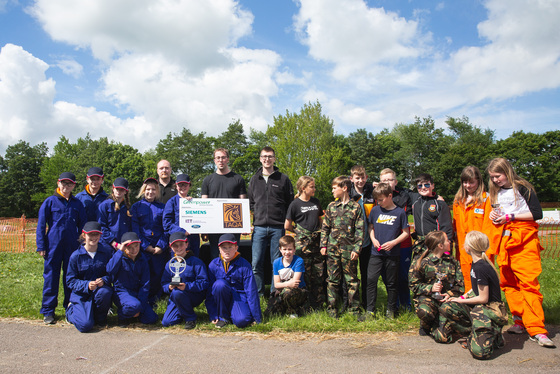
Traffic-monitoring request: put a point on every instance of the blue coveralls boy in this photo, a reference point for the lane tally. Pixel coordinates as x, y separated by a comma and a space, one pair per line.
171, 213
61, 219
87, 278
190, 293
130, 274
93, 195
232, 295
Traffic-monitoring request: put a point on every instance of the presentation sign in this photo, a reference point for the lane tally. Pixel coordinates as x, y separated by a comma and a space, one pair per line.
215, 216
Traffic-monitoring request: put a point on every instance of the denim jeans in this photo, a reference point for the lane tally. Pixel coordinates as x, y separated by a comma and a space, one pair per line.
262, 237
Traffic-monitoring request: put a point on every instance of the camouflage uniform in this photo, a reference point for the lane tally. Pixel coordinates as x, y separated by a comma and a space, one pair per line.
288, 301
422, 280
482, 324
342, 233
307, 247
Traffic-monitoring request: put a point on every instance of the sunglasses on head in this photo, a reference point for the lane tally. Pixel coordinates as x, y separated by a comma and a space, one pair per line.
425, 185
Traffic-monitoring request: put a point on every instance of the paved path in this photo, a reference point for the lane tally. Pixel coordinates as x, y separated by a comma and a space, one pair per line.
31, 347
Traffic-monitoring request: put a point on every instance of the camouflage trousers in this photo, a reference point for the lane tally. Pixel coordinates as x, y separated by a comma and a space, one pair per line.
307, 247
287, 301
481, 324
427, 309
339, 265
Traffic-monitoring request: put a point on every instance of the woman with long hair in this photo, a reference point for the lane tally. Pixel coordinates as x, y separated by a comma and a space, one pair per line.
515, 236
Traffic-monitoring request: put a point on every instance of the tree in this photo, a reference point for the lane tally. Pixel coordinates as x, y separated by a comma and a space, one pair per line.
20, 183
306, 144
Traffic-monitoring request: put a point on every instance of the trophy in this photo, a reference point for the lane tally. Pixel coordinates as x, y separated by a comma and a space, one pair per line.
177, 265
498, 209
437, 295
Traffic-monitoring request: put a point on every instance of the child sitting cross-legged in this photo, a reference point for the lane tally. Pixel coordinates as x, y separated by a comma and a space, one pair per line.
291, 295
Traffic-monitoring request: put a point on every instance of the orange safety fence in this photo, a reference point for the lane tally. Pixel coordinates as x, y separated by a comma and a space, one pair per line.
18, 235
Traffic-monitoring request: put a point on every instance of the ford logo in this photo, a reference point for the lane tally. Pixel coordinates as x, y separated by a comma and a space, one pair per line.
195, 226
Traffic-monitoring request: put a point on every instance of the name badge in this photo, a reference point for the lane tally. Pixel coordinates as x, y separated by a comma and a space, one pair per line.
478, 211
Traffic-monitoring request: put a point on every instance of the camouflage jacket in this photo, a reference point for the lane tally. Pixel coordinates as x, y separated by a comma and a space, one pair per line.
422, 280
343, 226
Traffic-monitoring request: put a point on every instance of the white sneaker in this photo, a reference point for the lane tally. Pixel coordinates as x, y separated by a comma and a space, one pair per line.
516, 329
543, 340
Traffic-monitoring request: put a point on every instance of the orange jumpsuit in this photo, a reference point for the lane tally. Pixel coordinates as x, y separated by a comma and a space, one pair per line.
465, 219
519, 258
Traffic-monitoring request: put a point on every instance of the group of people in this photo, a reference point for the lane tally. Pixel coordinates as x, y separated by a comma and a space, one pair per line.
115, 252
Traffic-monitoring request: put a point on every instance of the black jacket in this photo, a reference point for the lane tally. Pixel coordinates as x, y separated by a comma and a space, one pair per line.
269, 201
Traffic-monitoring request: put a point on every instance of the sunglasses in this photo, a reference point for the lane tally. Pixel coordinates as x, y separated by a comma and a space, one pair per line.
425, 185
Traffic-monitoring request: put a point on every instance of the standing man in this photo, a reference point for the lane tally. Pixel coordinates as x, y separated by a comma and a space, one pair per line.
223, 184
167, 187
270, 195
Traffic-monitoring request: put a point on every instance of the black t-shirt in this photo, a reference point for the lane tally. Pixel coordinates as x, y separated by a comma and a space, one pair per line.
168, 191
227, 186
305, 213
483, 273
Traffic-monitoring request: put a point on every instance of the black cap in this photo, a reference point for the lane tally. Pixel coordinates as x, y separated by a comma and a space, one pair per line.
227, 238
92, 226
67, 176
150, 180
183, 178
95, 172
130, 236
120, 183
178, 236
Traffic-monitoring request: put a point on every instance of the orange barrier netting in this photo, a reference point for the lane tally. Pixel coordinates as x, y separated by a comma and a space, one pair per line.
18, 235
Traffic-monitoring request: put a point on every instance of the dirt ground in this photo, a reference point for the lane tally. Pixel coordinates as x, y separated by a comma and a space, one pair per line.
31, 347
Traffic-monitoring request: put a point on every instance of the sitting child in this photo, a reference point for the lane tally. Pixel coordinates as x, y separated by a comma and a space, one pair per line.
290, 296
435, 277
480, 313
190, 292
232, 294
130, 273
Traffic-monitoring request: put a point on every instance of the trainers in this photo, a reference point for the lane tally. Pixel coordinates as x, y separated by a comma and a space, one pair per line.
516, 329
391, 314
423, 332
189, 325
360, 317
543, 340
222, 323
49, 320
293, 315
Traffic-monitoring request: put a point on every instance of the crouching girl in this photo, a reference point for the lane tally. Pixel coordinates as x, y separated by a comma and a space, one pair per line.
479, 313
87, 278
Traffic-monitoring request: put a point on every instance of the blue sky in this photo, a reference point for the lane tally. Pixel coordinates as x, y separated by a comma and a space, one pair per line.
135, 70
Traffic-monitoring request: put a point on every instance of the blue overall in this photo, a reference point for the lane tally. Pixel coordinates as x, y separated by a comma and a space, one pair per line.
182, 303
233, 295
58, 229
131, 282
114, 223
171, 223
147, 223
91, 202
88, 307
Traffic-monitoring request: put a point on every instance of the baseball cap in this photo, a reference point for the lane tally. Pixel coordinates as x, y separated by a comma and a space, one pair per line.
95, 172
121, 183
67, 176
227, 238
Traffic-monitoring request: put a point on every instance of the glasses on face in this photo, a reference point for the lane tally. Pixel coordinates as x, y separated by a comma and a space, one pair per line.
219, 158
267, 157
425, 185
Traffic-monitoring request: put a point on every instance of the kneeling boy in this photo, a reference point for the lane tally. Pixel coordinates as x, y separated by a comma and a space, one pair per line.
188, 294
290, 295
232, 295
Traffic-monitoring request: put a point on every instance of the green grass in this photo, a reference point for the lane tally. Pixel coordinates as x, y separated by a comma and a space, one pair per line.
21, 285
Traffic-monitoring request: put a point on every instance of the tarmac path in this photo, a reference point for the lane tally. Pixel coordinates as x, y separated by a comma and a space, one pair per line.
31, 347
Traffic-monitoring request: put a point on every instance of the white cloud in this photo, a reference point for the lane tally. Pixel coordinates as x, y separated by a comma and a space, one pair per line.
70, 67
354, 37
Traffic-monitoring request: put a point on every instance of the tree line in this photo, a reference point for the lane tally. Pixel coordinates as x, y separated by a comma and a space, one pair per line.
305, 144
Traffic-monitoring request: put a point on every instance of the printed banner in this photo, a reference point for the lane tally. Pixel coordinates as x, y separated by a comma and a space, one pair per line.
215, 216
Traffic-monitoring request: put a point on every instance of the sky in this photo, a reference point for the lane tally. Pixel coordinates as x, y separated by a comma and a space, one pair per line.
137, 70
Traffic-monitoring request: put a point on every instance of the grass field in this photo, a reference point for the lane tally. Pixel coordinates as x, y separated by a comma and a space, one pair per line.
21, 285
